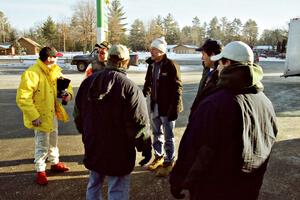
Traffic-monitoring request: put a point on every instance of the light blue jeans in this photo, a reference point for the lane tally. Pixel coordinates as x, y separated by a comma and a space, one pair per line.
163, 136
118, 187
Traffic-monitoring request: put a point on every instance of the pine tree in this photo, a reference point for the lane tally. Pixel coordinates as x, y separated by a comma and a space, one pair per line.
171, 29
185, 35
155, 30
137, 37
197, 33
49, 32
115, 26
214, 30
250, 32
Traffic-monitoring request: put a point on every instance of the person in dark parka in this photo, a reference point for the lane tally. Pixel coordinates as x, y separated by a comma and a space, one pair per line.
225, 149
164, 86
111, 113
209, 77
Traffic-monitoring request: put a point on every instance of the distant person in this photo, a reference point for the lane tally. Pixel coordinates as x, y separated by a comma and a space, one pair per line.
100, 62
225, 149
111, 114
164, 86
209, 74
37, 98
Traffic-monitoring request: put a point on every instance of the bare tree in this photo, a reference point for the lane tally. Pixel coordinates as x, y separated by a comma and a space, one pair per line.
63, 31
5, 28
84, 23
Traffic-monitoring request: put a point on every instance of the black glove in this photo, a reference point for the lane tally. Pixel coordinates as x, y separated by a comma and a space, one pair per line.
173, 116
176, 192
147, 157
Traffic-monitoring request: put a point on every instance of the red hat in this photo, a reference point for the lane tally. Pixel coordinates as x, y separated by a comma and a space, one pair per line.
54, 53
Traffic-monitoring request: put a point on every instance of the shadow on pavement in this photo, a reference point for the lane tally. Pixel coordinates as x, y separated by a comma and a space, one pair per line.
281, 179
12, 163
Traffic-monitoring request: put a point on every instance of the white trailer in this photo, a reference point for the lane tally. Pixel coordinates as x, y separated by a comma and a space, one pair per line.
292, 62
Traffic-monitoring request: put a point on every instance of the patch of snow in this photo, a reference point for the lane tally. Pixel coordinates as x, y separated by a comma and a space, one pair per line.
271, 59
64, 62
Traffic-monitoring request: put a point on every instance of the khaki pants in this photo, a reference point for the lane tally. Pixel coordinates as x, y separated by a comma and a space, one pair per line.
46, 148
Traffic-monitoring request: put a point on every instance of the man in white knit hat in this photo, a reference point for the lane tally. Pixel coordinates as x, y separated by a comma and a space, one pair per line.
164, 86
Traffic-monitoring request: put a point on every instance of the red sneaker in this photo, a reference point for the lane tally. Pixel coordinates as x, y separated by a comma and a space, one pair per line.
41, 178
59, 167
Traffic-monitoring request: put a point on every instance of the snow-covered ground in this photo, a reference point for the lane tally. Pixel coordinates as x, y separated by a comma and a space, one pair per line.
64, 62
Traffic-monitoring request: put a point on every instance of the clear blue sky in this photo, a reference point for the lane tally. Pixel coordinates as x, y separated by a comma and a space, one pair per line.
25, 14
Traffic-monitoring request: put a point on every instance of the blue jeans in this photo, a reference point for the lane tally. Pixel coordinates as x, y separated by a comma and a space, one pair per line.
118, 187
163, 136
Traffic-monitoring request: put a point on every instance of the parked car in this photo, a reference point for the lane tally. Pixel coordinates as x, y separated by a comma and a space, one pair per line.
263, 55
256, 57
82, 61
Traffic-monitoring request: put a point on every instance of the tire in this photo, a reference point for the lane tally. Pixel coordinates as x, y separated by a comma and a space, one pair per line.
81, 66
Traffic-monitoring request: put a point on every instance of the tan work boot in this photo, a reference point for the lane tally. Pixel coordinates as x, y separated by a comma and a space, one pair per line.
158, 161
165, 169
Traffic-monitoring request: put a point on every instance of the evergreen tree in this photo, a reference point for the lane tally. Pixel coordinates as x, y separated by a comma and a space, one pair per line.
235, 30
171, 30
137, 37
224, 30
115, 26
214, 30
49, 32
197, 32
250, 32
155, 30
13, 35
185, 35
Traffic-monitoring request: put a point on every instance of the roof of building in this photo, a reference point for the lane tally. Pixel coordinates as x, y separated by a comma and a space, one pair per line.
6, 45
187, 46
171, 46
30, 41
264, 47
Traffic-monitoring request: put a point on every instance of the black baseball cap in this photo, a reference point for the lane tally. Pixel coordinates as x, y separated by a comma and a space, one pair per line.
103, 44
210, 45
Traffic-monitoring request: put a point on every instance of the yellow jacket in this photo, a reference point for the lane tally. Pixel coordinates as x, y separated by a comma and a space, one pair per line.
36, 96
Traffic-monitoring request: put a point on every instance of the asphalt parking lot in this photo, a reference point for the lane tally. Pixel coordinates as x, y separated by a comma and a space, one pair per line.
282, 180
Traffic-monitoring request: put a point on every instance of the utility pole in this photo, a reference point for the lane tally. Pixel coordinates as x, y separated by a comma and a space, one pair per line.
102, 20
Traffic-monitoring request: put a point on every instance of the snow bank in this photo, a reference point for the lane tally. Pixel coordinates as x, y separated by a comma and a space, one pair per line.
64, 62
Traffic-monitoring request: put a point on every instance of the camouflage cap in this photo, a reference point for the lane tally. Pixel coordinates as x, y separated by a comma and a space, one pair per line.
119, 50
103, 44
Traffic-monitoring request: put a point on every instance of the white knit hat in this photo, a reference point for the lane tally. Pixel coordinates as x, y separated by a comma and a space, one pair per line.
237, 51
160, 44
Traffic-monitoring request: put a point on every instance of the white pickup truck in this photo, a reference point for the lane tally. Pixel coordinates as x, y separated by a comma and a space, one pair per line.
292, 62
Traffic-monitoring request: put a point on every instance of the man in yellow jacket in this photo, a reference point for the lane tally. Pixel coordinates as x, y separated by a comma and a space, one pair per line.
37, 98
